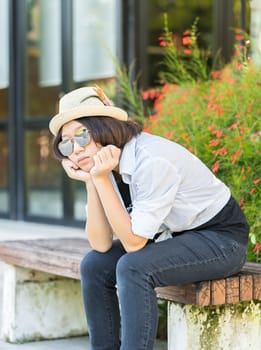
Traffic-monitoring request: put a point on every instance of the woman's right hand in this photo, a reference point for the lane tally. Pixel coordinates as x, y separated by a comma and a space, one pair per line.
74, 172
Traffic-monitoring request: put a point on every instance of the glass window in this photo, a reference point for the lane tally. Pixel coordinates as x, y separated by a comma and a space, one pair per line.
43, 176
4, 39
80, 200
4, 58
4, 195
94, 38
43, 53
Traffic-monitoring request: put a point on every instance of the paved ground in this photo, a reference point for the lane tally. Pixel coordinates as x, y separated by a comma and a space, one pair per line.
10, 230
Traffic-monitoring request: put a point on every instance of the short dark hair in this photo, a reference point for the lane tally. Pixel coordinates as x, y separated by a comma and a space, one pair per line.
105, 131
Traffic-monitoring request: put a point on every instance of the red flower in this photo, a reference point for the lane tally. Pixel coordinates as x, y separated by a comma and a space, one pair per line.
235, 156
186, 40
213, 142
187, 52
257, 248
163, 43
241, 203
233, 126
252, 191
215, 167
220, 151
145, 129
256, 181
215, 75
239, 37
219, 133
145, 95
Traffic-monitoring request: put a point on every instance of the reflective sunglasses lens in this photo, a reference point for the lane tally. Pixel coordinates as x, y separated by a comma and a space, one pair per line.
65, 147
82, 138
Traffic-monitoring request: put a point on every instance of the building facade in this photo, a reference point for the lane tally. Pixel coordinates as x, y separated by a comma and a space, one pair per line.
49, 47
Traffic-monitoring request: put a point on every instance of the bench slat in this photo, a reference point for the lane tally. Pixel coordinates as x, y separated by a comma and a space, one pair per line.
218, 292
246, 288
56, 256
257, 287
232, 290
203, 293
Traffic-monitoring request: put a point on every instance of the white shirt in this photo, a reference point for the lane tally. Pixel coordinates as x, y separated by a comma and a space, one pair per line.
170, 188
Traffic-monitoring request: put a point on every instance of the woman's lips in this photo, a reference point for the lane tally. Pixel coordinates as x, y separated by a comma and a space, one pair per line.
83, 159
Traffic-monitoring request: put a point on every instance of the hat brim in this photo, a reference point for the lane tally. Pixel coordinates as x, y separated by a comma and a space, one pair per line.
83, 111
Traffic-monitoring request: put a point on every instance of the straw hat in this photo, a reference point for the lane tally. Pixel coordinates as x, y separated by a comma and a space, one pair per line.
84, 102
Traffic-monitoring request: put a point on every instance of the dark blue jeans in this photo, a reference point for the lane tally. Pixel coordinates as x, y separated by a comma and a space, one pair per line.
189, 257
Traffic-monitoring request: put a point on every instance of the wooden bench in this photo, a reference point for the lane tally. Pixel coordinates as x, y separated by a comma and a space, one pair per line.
43, 275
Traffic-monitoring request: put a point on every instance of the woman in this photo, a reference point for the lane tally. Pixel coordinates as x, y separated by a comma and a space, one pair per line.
177, 223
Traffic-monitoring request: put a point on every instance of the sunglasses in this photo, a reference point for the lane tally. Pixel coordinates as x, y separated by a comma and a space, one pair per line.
82, 137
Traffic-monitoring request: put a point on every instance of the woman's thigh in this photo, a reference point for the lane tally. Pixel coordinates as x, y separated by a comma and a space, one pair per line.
189, 257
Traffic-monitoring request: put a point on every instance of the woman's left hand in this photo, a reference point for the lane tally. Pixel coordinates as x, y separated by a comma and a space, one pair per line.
105, 160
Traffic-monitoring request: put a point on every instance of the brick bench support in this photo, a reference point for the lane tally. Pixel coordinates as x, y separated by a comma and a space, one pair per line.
39, 305
216, 315
41, 289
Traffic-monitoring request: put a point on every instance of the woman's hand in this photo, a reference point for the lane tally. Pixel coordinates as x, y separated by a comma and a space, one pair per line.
74, 172
105, 160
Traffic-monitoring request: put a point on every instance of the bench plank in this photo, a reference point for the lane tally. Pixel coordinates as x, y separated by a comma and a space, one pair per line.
232, 290
204, 293
57, 256
218, 292
246, 288
257, 287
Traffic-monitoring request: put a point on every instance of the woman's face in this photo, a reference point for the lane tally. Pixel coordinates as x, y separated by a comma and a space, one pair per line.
81, 155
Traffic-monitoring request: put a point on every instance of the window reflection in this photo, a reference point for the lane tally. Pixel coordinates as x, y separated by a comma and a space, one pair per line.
80, 200
43, 53
4, 196
43, 176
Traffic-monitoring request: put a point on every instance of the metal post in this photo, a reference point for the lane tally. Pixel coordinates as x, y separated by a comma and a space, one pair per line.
17, 13
223, 21
67, 85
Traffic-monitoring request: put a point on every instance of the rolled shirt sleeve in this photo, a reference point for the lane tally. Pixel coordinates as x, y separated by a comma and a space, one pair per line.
156, 183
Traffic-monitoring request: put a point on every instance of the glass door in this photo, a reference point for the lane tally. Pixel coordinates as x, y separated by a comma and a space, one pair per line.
43, 174
4, 90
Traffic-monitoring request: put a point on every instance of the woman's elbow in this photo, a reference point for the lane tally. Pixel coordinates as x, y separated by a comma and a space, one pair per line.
134, 247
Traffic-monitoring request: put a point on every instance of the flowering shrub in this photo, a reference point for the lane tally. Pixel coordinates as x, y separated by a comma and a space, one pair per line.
218, 119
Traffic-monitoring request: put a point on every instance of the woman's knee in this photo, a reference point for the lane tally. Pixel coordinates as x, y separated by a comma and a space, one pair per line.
88, 263
95, 263
130, 267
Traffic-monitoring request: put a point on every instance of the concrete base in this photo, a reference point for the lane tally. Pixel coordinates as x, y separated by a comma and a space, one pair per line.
38, 305
223, 327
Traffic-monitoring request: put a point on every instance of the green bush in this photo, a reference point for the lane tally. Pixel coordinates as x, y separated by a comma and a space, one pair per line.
218, 119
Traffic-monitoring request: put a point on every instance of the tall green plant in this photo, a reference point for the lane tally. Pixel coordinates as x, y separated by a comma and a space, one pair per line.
183, 60
129, 91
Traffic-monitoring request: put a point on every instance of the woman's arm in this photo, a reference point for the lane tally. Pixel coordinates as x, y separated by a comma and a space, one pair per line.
106, 160
117, 215
98, 229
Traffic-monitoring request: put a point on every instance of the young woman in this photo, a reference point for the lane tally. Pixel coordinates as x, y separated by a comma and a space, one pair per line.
156, 216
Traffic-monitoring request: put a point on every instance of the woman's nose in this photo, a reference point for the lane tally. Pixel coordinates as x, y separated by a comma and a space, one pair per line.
77, 148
